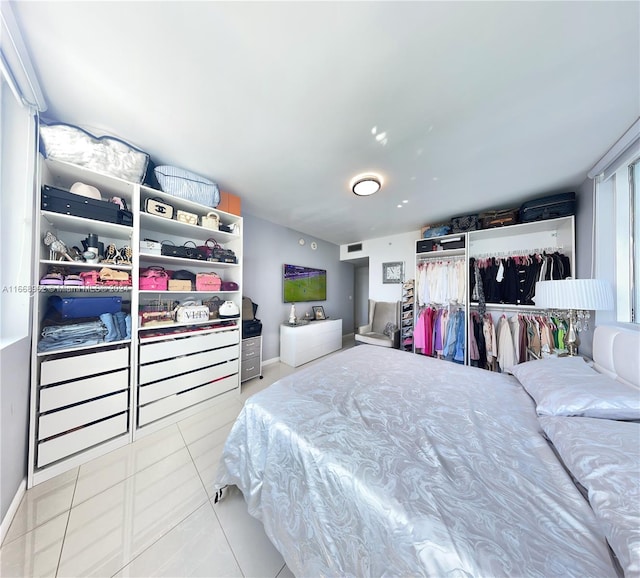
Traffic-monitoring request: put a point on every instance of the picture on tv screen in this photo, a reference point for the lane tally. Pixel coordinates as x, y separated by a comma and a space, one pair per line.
304, 284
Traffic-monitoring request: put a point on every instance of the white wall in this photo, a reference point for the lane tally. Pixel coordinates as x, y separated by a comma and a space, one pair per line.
400, 247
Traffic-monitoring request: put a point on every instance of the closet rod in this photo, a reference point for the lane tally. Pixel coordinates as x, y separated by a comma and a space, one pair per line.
509, 307
517, 253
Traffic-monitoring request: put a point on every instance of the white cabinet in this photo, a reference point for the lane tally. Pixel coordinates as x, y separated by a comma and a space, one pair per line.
90, 396
303, 343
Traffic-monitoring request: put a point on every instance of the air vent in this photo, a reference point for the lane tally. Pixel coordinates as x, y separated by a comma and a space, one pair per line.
354, 248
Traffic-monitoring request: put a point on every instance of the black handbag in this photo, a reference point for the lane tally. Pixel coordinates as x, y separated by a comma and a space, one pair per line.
185, 251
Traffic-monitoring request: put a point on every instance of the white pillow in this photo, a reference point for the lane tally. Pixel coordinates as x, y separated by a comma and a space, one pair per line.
604, 456
568, 386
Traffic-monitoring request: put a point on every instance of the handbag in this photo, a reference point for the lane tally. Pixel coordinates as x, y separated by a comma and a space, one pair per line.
501, 218
229, 286
154, 279
186, 217
156, 206
190, 312
214, 306
207, 249
208, 282
211, 221
229, 310
185, 251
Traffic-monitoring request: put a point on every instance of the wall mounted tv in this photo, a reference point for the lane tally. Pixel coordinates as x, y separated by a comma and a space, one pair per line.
304, 284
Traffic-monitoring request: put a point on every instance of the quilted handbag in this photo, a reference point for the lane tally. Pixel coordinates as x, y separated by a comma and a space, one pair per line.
154, 279
465, 223
185, 251
208, 282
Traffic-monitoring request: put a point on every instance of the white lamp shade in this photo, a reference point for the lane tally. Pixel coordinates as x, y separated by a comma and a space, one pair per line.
582, 294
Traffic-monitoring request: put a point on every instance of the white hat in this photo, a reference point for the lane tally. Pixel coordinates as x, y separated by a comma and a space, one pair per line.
86, 191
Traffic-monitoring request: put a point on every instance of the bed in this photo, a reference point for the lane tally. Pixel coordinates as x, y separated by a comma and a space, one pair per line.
376, 462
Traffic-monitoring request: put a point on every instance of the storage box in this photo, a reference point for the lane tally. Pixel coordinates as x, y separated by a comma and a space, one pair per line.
79, 307
229, 203
179, 285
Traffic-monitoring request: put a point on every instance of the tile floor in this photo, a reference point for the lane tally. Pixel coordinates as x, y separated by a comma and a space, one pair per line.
146, 510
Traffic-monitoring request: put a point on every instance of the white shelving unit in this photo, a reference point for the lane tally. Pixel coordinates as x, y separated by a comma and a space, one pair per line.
88, 399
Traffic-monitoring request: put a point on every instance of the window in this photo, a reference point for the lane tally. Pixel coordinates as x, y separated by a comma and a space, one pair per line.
617, 235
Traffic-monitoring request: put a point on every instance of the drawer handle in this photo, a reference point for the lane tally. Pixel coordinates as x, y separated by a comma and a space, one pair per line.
248, 369
250, 353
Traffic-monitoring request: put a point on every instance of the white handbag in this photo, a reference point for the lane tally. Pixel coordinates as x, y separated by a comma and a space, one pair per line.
228, 310
211, 221
190, 312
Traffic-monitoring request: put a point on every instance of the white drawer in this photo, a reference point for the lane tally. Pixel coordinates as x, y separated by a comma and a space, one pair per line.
180, 383
73, 417
171, 367
82, 390
169, 405
83, 365
161, 350
81, 439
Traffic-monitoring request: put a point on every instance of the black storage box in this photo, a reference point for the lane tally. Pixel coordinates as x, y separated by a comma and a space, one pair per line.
551, 207
67, 203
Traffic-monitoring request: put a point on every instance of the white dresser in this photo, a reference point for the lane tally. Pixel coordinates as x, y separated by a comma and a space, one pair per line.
302, 343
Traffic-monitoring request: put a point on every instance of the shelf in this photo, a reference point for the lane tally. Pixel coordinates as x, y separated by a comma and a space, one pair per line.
158, 224
440, 254
170, 325
144, 338
83, 347
169, 293
81, 289
83, 265
65, 174
73, 224
186, 205
172, 262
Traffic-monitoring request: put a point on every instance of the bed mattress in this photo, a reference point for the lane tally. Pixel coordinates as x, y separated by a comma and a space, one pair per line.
376, 462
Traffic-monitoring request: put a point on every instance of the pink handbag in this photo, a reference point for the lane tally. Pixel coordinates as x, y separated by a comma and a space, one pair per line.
154, 279
208, 282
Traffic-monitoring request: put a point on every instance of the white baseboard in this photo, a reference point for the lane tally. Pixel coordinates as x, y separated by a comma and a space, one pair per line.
13, 508
270, 361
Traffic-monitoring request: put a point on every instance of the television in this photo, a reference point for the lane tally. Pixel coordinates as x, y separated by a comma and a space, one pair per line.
304, 284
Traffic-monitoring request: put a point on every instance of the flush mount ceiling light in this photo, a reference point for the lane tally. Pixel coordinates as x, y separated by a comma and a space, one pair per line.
366, 184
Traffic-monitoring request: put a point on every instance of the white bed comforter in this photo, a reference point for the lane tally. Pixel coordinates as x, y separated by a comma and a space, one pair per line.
376, 462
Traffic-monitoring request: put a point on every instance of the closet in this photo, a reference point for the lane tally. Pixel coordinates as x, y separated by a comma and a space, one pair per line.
501, 268
98, 384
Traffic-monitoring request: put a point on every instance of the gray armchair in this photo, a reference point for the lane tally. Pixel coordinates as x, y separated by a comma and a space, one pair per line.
384, 325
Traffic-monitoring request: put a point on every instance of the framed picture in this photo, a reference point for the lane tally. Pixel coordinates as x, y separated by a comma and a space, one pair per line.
393, 272
318, 312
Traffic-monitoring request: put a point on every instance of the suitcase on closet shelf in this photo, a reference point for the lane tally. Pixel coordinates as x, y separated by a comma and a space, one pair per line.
550, 207
67, 203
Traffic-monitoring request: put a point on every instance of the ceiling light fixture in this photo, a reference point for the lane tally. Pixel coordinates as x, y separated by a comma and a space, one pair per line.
367, 184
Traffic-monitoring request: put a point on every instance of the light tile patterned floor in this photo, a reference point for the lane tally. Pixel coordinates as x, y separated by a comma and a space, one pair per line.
146, 510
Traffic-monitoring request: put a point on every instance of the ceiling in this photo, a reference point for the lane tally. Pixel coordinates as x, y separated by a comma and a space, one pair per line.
460, 106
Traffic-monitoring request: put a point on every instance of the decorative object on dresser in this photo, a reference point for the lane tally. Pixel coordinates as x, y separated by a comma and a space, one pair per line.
574, 299
318, 312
